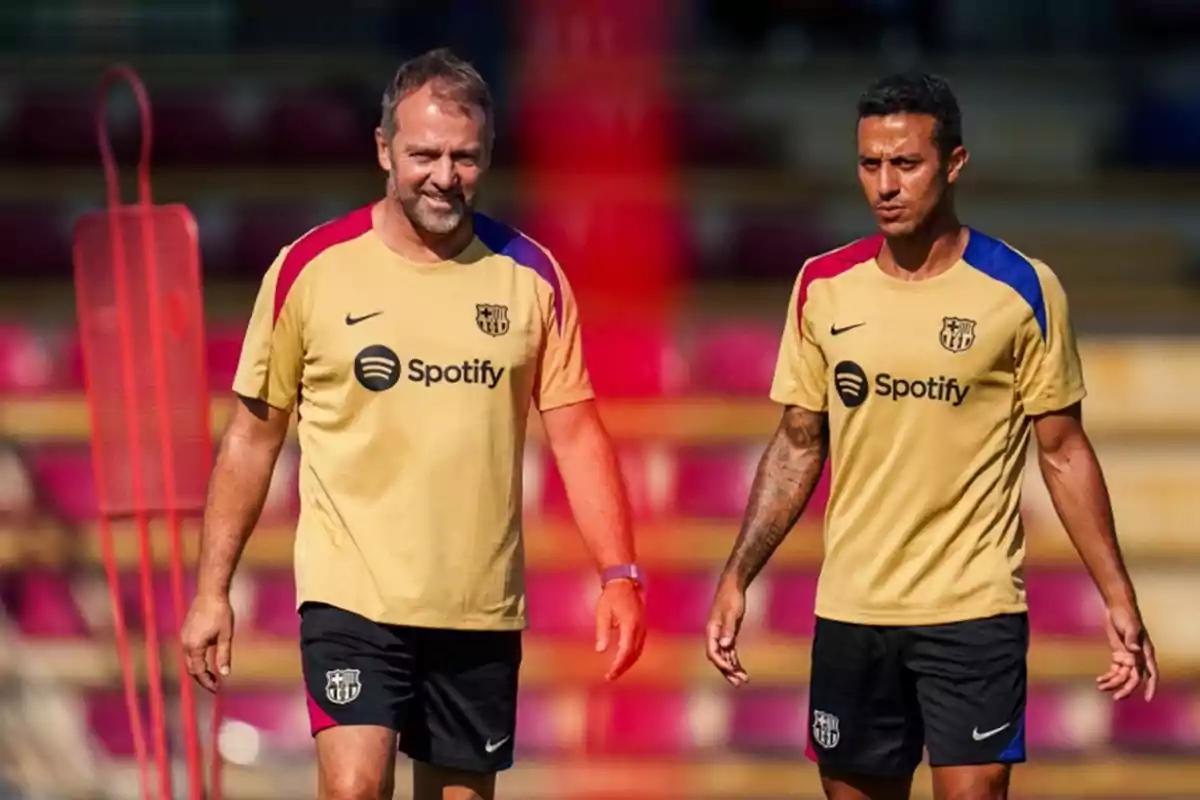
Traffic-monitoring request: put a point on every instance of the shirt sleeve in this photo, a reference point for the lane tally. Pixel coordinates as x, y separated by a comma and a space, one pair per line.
562, 377
272, 359
801, 373
1049, 374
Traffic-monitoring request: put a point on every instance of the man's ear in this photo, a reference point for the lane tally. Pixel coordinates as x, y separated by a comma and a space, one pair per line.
955, 161
383, 150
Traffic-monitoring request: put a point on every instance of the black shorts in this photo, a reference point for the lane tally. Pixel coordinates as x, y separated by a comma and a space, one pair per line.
450, 694
878, 695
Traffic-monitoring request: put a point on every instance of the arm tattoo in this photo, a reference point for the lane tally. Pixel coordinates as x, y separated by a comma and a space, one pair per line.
787, 474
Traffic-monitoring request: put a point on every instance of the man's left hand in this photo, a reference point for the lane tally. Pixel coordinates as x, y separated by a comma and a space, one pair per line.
621, 608
1133, 662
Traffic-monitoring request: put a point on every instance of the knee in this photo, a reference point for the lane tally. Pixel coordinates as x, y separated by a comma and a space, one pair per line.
355, 785
984, 792
976, 785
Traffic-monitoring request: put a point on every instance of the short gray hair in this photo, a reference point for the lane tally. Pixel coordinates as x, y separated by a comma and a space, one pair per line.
452, 79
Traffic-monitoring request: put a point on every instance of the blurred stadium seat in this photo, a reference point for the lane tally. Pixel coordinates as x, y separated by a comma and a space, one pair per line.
1069, 165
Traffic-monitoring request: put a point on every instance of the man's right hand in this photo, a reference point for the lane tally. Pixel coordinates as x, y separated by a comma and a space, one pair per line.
724, 622
207, 637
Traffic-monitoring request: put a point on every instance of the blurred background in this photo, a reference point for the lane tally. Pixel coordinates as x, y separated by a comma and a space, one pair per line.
682, 159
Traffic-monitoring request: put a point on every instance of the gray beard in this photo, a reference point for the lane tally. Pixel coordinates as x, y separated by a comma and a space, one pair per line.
423, 220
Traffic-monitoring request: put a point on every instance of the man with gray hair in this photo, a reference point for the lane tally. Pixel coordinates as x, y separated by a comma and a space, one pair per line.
411, 336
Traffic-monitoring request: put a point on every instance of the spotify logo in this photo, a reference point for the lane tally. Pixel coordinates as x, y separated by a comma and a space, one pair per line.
377, 368
851, 383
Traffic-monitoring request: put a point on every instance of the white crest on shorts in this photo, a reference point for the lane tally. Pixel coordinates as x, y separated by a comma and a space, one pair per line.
342, 686
825, 729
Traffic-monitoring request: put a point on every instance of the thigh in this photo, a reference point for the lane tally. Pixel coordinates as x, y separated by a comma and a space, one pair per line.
863, 715
467, 715
356, 762
971, 681
356, 671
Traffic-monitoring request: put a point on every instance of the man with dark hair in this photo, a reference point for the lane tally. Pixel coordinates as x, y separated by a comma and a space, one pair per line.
411, 337
919, 360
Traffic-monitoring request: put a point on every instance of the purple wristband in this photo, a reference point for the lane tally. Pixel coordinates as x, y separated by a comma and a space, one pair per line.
621, 572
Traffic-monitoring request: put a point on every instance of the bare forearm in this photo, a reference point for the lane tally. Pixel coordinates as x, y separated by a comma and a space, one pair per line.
236, 495
595, 488
787, 475
1076, 486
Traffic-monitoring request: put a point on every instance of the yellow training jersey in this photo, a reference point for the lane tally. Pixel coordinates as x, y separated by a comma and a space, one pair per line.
929, 386
413, 384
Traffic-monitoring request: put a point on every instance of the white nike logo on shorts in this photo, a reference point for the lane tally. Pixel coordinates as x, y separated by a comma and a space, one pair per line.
979, 737
492, 747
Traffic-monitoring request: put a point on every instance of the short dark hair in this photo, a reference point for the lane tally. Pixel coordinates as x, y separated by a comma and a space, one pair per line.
916, 93
452, 78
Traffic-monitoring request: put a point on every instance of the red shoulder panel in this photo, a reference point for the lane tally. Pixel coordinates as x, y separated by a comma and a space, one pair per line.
315, 242
835, 262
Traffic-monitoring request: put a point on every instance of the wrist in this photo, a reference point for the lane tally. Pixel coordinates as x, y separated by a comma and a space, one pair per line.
730, 580
626, 573
1119, 595
212, 592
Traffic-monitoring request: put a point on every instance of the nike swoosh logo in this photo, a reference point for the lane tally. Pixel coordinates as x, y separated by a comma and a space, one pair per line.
492, 747
355, 320
979, 737
836, 331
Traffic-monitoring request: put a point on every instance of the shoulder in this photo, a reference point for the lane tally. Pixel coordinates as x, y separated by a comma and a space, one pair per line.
507, 241
323, 238
833, 263
296, 257
1031, 279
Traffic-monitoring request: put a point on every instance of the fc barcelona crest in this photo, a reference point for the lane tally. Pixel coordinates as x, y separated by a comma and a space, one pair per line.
491, 319
825, 729
342, 686
957, 334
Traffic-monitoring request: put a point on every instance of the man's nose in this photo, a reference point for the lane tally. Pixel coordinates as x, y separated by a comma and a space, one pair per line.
444, 176
889, 183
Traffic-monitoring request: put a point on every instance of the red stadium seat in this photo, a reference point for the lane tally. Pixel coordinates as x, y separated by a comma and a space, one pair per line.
648, 470
265, 723
549, 723
1066, 719
63, 477
678, 603
632, 360
58, 126
205, 126
37, 238
562, 603
273, 603
265, 230
44, 606
767, 721
33, 362
108, 721
641, 722
712, 137
774, 244
791, 603
317, 127
735, 358
1171, 722
714, 482
1064, 602
164, 609
216, 224
224, 348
